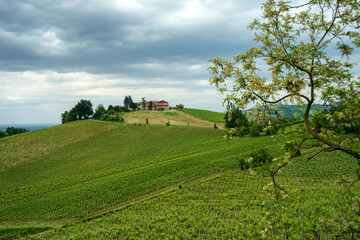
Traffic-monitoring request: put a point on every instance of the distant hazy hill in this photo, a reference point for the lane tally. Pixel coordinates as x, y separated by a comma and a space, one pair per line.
290, 110
30, 127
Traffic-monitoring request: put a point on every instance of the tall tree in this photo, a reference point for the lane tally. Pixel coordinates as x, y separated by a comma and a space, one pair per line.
99, 111
126, 102
84, 109
151, 105
63, 116
130, 101
133, 106
297, 43
143, 103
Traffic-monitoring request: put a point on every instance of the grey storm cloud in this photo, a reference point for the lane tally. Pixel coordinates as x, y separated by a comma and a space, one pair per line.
54, 53
106, 36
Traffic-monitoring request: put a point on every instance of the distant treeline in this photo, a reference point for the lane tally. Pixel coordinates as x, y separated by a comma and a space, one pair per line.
12, 131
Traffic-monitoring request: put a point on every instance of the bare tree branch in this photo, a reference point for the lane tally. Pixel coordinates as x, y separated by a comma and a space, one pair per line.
323, 149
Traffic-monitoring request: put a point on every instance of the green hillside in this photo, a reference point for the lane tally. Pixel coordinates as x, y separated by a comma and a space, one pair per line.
103, 180
81, 169
230, 206
205, 114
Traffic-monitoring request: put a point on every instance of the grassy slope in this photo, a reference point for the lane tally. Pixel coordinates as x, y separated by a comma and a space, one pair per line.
80, 169
162, 117
230, 206
205, 114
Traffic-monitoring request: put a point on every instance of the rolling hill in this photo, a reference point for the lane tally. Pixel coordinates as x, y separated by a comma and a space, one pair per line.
175, 117
105, 180
78, 170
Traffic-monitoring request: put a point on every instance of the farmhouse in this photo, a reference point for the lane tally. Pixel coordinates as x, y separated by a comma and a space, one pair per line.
154, 105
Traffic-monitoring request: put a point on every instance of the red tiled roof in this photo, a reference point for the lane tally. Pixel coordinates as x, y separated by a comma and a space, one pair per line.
157, 103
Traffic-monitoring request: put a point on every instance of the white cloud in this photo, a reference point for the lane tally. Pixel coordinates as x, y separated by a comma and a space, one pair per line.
51, 93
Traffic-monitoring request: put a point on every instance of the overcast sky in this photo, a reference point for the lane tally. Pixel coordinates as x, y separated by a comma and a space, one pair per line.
54, 53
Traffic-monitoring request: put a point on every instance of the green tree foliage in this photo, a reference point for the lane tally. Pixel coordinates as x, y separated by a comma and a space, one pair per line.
2, 134
13, 131
237, 120
143, 103
297, 43
71, 116
110, 107
133, 106
257, 158
99, 111
129, 104
84, 109
64, 116
319, 121
255, 129
126, 109
117, 109
130, 101
150, 107
126, 102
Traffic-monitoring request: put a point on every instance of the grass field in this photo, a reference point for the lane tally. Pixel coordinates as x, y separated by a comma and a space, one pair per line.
81, 169
231, 206
162, 117
103, 180
205, 114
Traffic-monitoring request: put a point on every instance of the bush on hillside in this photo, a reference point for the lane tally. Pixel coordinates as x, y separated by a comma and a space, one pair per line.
2, 134
319, 120
12, 130
256, 159
255, 130
111, 118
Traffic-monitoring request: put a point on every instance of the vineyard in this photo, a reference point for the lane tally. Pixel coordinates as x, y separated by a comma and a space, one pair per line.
230, 206
81, 169
97, 180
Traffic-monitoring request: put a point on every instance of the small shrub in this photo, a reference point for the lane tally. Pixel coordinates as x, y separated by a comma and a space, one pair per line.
256, 159
255, 130
260, 157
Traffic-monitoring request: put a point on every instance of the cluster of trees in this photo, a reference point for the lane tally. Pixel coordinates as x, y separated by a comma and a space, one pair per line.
238, 124
12, 131
111, 114
336, 118
82, 110
129, 104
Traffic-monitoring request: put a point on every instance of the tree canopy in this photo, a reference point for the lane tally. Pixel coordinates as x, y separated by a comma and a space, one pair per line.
297, 43
82, 110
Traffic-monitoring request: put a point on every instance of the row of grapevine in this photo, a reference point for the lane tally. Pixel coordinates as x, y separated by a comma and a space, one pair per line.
231, 206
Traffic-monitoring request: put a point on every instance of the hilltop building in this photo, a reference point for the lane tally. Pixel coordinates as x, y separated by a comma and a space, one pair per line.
156, 105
